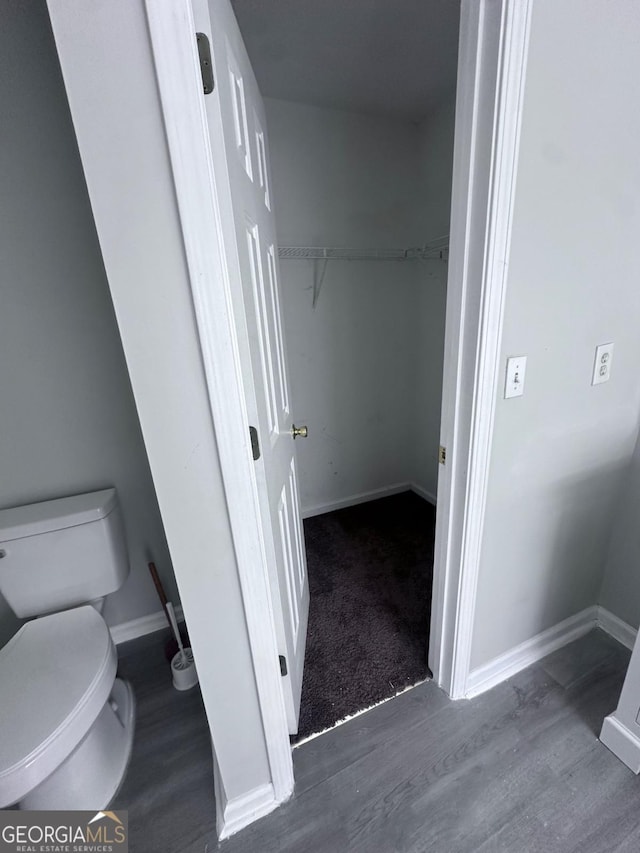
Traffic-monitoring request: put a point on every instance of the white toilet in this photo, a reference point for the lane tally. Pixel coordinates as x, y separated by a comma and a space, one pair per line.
66, 721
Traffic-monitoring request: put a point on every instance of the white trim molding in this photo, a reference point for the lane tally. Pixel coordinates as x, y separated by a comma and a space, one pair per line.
365, 497
424, 494
141, 626
241, 811
621, 730
354, 500
616, 627
531, 651
623, 743
492, 60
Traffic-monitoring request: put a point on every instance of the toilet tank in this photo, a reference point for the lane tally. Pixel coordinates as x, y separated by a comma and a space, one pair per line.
62, 553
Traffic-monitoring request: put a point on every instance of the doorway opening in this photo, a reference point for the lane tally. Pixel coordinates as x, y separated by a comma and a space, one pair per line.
360, 142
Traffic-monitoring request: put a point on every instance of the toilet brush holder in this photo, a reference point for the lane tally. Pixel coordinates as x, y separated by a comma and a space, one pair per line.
183, 670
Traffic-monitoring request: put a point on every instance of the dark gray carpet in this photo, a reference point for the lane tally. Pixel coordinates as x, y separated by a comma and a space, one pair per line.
370, 574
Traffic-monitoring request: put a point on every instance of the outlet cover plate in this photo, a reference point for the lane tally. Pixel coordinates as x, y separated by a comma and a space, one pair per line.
602, 364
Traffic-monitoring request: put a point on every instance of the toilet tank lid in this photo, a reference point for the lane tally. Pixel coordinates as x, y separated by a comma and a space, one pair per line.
32, 519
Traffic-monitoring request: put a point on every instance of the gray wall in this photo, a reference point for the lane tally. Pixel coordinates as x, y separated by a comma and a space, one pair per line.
345, 179
560, 452
68, 423
435, 141
366, 362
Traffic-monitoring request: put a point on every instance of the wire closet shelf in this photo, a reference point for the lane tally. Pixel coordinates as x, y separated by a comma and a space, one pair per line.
437, 249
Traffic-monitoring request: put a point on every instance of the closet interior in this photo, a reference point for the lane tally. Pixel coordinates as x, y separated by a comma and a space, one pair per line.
360, 103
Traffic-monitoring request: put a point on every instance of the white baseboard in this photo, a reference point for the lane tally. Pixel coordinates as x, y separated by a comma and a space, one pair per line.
531, 651
143, 625
353, 500
624, 744
363, 497
218, 794
423, 493
613, 625
243, 810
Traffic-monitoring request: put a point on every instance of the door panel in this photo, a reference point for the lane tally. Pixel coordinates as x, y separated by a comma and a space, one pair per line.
240, 157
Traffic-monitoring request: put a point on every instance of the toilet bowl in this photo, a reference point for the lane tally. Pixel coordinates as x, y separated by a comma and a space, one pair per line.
66, 721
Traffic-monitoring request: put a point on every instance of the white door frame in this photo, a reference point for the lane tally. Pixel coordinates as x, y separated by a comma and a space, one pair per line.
491, 70
494, 39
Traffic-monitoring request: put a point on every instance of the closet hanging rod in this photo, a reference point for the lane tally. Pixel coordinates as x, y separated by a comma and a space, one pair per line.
434, 249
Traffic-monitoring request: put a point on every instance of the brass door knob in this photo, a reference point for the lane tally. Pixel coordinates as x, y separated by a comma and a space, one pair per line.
299, 432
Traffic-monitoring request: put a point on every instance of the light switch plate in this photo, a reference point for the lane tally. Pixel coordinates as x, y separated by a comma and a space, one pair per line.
514, 383
602, 364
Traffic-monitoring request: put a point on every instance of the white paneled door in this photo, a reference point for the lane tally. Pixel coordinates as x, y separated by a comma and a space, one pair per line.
237, 132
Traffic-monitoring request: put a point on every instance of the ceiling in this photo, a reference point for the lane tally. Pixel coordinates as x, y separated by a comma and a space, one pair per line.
390, 57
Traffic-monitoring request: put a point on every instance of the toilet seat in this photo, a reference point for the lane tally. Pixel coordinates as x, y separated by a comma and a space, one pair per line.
56, 674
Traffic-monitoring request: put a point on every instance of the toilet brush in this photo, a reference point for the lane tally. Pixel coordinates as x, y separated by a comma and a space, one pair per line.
170, 647
183, 668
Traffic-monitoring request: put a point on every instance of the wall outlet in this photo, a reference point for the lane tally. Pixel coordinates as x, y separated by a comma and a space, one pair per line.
514, 383
602, 364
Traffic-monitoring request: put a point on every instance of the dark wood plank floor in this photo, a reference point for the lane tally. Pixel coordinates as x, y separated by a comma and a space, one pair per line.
518, 770
168, 789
